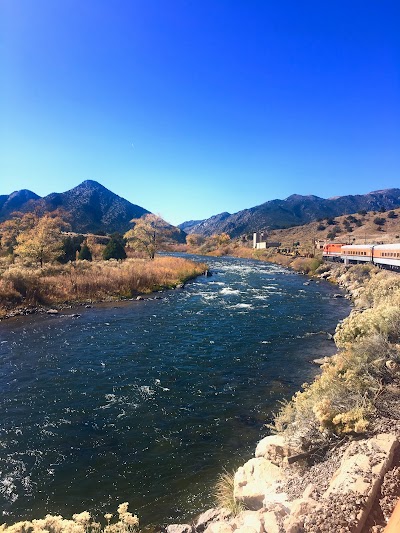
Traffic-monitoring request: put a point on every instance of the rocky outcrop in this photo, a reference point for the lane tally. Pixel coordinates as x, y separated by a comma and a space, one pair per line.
341, 507
257, 480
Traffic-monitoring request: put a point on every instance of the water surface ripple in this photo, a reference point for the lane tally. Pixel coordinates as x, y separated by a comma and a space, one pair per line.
148, 401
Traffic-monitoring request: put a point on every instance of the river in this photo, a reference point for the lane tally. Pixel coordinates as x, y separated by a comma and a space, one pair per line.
148, 401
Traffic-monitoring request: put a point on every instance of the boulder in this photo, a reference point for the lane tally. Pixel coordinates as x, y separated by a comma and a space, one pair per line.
212, 515
275, 449
361, 472
179, 528
256, 479
219, 527
299, 510
52, 312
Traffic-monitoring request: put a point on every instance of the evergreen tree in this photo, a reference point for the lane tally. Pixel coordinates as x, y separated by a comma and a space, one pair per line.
85, 253
71, 245
114, 250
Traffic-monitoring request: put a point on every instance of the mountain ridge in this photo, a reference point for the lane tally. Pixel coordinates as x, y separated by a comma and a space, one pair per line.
91, 207
293, 211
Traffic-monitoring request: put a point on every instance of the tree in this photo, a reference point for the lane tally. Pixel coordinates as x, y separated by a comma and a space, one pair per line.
10, 229
71, 245
195, 240
391, 214
43, 242
149, 234
221, 238
85, 253
379, 221
114, 250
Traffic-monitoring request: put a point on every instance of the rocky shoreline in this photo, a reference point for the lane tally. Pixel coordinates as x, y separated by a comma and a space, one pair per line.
351, 485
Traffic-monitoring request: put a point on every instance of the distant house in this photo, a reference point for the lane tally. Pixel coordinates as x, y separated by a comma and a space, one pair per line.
260, 241
319, 244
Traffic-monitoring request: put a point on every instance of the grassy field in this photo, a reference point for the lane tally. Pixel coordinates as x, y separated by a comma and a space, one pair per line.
85, 281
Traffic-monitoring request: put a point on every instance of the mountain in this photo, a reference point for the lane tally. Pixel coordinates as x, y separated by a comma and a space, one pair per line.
293, 211
15, 201
91, 208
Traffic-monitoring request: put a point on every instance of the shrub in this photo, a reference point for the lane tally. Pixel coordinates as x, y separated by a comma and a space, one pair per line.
85, 253
114, 250
80, 523
379, 221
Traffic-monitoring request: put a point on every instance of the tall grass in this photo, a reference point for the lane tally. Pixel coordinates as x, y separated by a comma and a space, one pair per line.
87, 281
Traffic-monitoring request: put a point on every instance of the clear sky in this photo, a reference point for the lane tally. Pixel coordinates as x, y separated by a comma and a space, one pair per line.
193, 107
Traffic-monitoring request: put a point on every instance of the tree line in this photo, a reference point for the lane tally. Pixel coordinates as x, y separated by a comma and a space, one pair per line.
46, 238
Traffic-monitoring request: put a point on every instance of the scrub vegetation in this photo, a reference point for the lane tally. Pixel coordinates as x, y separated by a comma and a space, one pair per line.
363, 379
126, 522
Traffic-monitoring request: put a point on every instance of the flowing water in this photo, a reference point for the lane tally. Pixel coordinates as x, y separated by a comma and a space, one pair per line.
147, 402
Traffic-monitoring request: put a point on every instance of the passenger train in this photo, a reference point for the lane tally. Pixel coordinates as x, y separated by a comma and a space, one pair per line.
381, 255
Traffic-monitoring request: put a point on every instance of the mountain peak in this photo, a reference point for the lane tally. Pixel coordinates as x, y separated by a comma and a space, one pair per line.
91, 184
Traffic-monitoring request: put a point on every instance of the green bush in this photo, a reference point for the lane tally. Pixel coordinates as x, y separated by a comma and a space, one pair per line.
114, 250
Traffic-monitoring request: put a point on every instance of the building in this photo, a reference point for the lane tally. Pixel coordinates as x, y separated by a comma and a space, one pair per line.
260, 241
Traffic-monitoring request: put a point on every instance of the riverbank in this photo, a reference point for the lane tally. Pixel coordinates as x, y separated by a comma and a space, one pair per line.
25, 291
215, 388
334, 463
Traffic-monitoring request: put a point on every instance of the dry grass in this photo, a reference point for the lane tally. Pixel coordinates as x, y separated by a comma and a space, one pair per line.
224, 493
93, 281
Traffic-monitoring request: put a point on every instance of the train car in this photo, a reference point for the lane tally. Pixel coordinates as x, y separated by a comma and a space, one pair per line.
357, 253
332, 251
387, 256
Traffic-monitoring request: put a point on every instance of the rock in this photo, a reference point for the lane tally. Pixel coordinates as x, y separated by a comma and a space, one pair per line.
361, 472
139, 298
179, 528
212, 515
310, 491
255, 480
321, 361
250, 521
219, 527
75, 315
180, 286
88, 306
299, 510
392, 366
275, 449
52, 312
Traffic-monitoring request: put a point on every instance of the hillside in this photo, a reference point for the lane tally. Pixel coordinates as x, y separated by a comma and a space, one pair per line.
293, 211
359, 228
15, 201
90, 207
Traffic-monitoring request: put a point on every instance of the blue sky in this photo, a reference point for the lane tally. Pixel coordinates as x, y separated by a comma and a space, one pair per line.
193, 107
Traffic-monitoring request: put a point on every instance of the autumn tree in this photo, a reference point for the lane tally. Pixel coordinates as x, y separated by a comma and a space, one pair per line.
222, 239
11, 228
43, 242
195, 240
149, 234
